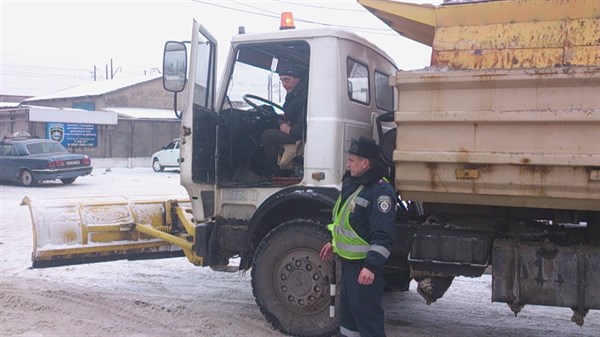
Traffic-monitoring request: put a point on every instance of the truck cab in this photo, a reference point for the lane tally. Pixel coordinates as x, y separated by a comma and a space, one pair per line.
246, 213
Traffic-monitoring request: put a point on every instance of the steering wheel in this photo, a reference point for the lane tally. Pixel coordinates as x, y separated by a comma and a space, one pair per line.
267, 112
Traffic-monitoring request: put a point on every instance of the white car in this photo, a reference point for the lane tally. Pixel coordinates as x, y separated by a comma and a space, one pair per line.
167, 157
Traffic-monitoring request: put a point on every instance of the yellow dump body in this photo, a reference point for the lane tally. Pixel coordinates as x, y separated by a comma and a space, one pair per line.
509, 113
500, 34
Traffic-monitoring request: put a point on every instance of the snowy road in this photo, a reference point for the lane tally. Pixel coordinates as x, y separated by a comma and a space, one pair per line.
173, 298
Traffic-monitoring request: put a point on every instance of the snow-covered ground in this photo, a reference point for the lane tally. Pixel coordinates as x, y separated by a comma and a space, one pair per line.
171, 297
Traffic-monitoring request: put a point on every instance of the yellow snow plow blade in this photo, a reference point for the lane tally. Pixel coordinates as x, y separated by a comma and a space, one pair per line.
71, 231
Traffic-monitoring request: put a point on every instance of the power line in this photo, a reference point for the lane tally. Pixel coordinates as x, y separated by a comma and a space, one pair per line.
235, 9
320, 7
316, 22
378, 31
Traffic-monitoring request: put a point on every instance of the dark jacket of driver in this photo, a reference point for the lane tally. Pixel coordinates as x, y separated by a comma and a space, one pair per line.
295, 109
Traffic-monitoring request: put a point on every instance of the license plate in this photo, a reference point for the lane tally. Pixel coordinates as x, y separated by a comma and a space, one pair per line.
72, 162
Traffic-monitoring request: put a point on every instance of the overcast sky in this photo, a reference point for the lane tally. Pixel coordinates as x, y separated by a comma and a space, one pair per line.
64, 40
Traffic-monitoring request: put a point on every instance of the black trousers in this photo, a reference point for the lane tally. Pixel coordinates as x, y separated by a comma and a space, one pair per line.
360, 305
271, 140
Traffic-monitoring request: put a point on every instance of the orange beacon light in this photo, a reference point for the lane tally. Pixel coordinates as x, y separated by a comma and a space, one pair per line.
287, 21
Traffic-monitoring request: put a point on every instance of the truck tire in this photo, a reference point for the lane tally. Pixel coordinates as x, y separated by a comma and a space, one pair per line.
290, 282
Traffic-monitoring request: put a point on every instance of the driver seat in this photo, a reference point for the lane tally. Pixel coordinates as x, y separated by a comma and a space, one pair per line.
290, 151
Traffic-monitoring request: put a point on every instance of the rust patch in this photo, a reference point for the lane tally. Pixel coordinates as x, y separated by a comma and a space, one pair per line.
534, 178
432, 168
525, 161
543, 170
463, 156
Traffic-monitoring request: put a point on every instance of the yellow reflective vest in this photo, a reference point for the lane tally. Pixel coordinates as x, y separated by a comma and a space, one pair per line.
346, 243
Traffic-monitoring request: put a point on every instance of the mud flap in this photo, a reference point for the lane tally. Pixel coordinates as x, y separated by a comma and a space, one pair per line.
71, 231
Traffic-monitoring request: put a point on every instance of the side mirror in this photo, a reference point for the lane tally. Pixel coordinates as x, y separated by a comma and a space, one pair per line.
174, 66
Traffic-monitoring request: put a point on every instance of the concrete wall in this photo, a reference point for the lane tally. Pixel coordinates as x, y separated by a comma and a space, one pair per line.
13, 120
128, 139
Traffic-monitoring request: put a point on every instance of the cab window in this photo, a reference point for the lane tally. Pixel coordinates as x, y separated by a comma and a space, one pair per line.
384, 92
358, 81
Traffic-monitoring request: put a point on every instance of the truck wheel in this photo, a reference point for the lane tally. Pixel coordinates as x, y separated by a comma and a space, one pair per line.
156, 166
27, 178
290, 282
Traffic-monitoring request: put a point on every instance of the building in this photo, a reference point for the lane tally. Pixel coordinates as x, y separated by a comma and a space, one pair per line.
118, 122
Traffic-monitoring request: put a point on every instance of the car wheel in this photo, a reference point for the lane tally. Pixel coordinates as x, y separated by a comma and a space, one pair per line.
290, 282
156, 165
27, 178
68, 181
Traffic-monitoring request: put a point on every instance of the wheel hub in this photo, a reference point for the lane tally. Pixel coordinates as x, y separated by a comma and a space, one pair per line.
301, 281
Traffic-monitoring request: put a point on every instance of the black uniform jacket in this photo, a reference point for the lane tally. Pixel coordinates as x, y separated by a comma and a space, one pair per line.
372, 220
295, 109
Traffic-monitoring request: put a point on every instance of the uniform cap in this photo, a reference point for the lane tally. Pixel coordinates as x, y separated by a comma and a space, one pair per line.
290, 70
365, 147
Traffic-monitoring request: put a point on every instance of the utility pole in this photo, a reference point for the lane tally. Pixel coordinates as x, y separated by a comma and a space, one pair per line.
94, 73
112, 73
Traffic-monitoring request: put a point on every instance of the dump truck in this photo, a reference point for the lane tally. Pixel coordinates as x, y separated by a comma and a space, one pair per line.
494, 151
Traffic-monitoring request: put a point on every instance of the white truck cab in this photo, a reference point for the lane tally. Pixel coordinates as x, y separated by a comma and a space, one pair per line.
222, 160
348, 87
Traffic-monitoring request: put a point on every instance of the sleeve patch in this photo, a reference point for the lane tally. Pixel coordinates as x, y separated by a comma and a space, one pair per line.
384, 203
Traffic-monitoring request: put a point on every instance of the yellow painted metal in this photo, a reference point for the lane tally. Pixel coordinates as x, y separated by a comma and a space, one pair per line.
462, 173
417, 22
182, 242
513, 11
83, 229
184, 214
83, 252
500, 34
153, 232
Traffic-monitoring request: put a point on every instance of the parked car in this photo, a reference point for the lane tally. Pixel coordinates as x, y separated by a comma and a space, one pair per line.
28, 161
168, 156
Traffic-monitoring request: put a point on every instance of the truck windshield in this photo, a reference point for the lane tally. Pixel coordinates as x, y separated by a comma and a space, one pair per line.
254, 71
247, 79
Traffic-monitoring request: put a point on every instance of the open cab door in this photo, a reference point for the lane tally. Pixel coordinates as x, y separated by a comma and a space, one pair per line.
198, 117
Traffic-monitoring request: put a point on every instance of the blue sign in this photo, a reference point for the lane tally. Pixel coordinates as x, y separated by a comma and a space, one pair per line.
79, 135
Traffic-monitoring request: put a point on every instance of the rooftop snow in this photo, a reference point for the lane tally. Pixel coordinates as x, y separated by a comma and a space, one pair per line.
96, 88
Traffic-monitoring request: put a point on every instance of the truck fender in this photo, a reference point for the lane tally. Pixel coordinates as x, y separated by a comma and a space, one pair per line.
290, 203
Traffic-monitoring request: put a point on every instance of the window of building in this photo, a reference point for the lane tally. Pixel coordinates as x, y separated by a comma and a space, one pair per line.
90, 106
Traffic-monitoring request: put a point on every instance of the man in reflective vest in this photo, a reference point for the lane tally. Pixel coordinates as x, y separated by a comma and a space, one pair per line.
363, 234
